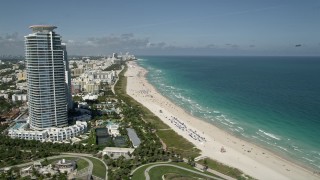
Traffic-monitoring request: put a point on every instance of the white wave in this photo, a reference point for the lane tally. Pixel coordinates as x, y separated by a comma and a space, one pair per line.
225, 124
310, 160
263, 140
296, 148
283, 148
245, 135
229, 121
220, 118
270, 135
237, 130
216, 112
240, 128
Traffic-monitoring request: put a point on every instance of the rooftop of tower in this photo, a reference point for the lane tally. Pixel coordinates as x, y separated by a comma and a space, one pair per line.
37, 28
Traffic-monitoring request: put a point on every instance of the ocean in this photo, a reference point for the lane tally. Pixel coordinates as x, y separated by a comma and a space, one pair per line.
271, 101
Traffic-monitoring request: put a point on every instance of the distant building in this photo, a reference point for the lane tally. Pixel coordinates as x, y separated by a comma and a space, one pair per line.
22, 86
77, 71
90, 97
21, 75
15, 66
19, 97
92, 87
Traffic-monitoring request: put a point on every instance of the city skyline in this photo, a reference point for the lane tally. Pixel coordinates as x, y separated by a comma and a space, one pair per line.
171, 28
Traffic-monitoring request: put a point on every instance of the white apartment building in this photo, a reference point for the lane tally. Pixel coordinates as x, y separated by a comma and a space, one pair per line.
50, 134
90, 81
19, 97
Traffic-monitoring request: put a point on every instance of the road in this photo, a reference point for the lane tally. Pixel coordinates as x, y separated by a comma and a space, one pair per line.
146, 172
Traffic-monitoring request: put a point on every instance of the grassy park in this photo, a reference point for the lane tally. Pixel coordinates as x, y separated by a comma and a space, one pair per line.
169, 172
224, 169
99, 168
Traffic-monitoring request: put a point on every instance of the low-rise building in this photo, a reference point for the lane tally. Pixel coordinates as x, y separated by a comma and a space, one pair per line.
115, 152
77, 72
21, 75
22, 86
50, 134
19, 97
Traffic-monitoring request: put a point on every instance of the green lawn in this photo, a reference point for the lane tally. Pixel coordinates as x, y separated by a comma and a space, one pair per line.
157, 172
81, 164
139, 173
174, 176
98, 168
174, 142
224, 169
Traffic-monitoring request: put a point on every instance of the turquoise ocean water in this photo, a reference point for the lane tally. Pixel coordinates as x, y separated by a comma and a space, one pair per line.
271, 101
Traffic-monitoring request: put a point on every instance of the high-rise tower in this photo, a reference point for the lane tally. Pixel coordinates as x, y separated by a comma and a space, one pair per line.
67, 76
47, 92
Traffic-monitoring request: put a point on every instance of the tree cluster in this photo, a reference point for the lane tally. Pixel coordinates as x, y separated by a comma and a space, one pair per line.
17, 151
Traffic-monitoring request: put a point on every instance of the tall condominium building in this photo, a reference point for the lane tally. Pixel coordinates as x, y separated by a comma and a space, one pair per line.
67, 76
46, 72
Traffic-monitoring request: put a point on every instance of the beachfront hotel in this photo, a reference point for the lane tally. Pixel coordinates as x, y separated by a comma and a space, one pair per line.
46, 72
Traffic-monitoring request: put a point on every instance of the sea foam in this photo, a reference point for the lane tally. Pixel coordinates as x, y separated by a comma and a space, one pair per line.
270, 135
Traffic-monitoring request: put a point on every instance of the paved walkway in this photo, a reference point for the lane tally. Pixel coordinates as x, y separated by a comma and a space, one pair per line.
91, 156
146, 172
112, 86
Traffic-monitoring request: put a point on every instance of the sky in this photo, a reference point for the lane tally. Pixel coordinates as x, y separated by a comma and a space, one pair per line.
168, 27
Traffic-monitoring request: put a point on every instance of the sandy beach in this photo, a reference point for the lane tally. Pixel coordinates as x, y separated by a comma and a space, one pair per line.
251, 159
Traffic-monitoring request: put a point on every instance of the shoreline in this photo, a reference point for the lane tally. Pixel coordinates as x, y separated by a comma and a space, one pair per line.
250, 158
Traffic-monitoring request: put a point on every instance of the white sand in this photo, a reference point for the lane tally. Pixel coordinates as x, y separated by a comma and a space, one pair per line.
249, 158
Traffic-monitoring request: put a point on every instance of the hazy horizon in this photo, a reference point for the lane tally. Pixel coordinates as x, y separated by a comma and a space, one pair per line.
246, 28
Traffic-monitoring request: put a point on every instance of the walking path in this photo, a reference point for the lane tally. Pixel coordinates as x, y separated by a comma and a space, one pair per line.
112, 86
223, 176
146, 171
